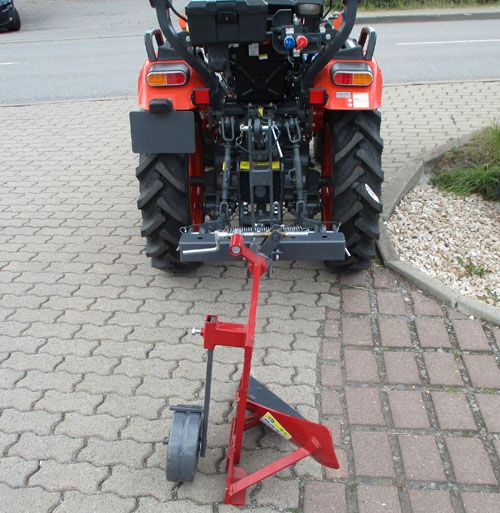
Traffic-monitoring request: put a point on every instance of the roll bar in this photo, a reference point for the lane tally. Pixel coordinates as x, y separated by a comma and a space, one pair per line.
321, 60
163, 13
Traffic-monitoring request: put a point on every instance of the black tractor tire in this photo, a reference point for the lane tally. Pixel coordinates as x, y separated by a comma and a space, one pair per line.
357, 183
164, 204
16, 22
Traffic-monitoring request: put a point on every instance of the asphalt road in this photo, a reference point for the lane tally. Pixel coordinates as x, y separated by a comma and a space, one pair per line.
97, 62
454, 50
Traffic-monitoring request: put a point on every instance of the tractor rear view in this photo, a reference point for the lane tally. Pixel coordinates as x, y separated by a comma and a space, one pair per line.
259, 139
259, 118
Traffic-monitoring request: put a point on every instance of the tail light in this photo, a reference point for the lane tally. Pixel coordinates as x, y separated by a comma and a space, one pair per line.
201, 96
352, 74
168, 75
317, 96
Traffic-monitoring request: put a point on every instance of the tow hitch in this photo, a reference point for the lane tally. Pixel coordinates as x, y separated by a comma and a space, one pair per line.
276, 243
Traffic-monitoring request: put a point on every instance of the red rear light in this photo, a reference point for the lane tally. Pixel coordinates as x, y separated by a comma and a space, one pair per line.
166, 78
173, 74
352, 78
317, 96
342, 78
201, 96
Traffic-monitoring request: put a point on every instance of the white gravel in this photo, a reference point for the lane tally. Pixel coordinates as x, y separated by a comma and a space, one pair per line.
433, 230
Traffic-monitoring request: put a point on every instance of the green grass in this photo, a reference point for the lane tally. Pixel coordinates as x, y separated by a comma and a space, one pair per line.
371, 5
491, 391
491, 294
472, 269
479, 180
453, 390
473, 168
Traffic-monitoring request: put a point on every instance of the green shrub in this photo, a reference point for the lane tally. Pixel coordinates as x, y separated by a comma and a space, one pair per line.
472, 168
478, 180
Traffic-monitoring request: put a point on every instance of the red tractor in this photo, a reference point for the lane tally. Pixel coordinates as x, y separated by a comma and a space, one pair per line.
259, 117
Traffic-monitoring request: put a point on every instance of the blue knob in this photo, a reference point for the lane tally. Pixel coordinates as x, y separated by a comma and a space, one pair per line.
289, 42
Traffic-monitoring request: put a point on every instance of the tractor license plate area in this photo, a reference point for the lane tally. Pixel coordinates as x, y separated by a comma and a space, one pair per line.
211, 247
171, 132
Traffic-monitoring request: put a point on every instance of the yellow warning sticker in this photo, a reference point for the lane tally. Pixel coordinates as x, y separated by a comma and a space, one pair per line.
245, 164
271, 422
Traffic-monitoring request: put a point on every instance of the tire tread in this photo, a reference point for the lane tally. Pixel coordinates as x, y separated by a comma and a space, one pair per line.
164, 204
356, 163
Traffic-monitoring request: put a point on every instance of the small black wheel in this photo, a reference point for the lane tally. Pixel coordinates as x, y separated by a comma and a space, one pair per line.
16, 22
184, 443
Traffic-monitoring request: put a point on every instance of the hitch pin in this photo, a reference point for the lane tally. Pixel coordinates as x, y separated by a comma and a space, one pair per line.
273, 128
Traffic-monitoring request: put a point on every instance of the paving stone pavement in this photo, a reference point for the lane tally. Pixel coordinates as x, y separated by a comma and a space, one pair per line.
94, 345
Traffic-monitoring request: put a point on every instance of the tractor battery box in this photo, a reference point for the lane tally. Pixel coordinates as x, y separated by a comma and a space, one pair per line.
226, 21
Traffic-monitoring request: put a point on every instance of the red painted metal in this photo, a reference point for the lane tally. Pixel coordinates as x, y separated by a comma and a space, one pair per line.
311, 439
351, 97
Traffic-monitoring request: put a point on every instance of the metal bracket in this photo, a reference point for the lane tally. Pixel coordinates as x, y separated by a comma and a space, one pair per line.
295, 243
206, 402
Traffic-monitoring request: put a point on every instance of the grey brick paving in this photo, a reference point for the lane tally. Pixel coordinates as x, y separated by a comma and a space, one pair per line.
54, 447
82, 402
126, 452
15, 471
93, 344
61, 381
55, 476
104, 426
39, 422
20, 398
127, 482
28, 500
77, 502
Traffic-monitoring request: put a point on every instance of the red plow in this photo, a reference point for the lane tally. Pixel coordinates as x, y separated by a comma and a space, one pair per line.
255, 405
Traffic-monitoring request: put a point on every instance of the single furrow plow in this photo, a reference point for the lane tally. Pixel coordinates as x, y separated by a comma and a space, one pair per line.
255, 404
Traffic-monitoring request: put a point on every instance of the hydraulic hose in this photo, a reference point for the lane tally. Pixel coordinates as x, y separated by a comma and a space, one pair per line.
350, 11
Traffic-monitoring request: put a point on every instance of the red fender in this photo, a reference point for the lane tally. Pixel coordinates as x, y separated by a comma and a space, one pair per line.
349, 97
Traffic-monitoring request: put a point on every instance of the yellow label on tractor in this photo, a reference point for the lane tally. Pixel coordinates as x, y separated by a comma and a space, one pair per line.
245, 164
272, 423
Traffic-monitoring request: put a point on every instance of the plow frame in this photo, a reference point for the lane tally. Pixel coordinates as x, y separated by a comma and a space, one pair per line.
255, 403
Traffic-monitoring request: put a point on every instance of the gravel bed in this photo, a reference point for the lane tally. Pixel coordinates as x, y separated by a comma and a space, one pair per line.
454, 239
